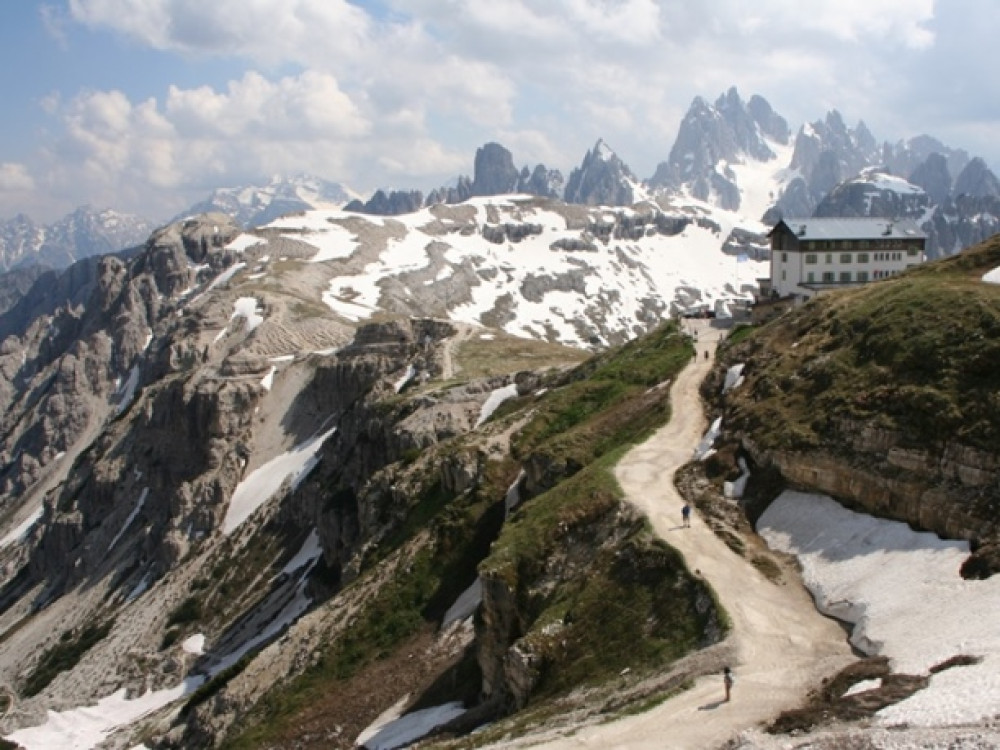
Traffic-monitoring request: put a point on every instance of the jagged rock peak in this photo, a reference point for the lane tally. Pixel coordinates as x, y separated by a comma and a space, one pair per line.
494, 172
772, 124
728, 132
933, 176
977, 180
547, 183
392, 203
602, 179
907, 155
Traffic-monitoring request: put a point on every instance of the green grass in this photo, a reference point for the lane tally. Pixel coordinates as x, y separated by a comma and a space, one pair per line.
605, 403
613, 596
916, 354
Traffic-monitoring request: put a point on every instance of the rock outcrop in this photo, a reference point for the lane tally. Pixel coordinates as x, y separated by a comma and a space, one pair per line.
712, 137
602, 179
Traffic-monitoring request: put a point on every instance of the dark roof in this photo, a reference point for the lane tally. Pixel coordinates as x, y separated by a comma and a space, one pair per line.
852, 229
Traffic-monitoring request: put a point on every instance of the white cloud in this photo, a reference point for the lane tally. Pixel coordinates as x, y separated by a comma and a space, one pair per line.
294, 108
264, 31
399, 93
15, 178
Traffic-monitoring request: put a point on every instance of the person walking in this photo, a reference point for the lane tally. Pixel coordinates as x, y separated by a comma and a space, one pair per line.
686, 515
728, 680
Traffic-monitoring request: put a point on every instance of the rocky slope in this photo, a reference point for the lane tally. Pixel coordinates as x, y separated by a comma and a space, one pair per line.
220, 490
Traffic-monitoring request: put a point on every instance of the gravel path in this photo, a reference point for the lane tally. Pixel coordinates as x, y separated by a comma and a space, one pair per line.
783, 645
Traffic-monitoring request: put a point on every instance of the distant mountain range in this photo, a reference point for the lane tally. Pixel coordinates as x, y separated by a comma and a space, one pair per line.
742, 158
256, 205
732, 155
85, 232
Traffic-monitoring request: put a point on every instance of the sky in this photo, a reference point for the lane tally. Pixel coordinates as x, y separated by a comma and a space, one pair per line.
147, 105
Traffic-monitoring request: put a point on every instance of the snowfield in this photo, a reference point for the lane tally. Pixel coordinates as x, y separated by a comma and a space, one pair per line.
560, 274
904, 595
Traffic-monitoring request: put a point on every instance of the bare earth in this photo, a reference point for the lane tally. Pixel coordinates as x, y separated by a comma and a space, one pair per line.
783, 646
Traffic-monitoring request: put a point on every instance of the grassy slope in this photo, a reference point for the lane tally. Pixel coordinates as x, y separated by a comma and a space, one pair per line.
624, 598
633, 603
917, 354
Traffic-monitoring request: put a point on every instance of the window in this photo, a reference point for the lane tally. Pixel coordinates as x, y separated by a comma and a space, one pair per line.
845, 257
811, 258
862, 276
828, 277
783, 277
829, 258
784, 257
912, 251
845, 277
862, 257
810, 278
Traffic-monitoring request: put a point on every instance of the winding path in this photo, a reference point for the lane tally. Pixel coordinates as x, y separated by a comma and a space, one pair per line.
783, 646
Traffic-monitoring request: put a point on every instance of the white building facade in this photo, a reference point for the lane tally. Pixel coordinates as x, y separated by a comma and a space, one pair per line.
809, 256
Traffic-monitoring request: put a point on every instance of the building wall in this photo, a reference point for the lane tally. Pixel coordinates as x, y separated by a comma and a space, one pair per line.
813, 266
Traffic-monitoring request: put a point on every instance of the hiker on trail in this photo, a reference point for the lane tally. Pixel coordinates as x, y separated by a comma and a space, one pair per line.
728, 679
706, 354
686, 515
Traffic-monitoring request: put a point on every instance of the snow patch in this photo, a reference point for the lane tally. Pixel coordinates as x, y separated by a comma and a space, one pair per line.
194, 645
409, 728
268, 380
493, 401
249, 308
19, 532
466, 604
128, 390
405, 378
88, 726
261, 484
734, 377
992, 277
310, 551
131, 517
704, 449
244, 242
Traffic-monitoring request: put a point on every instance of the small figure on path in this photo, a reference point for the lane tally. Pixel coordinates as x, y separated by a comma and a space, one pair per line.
728, 679
686, 515
706, 354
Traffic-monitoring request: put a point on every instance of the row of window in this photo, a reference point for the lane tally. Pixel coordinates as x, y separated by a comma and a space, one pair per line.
846, 277
847, 258
892, 244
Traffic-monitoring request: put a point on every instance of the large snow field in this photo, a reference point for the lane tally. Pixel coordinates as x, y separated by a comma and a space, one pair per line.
622, 275
902, 591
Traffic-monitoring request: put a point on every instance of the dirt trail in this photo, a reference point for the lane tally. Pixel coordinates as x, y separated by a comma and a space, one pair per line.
783, 646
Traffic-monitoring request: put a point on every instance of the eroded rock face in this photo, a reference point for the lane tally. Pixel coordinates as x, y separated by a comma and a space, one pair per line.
69, 369
951, 490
